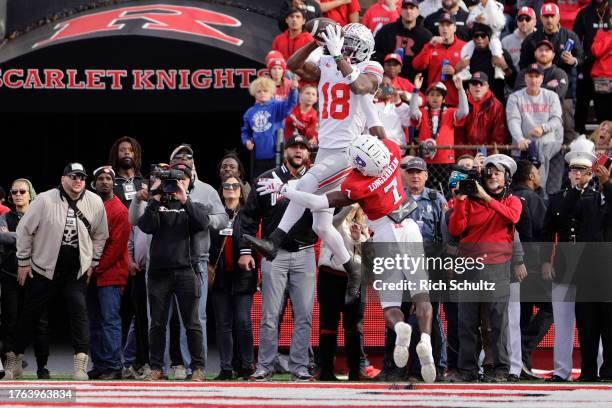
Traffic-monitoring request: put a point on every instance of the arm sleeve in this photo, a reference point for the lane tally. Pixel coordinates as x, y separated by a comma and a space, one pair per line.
563, 80
372, 117
99, 234
341, 216
26, 229
600, 45
527, 52
421, 61
136, 210
131, 245
8, 238
250, 218
513, 119
217, 217
518, 253
198, 215
287, 105
310, 201
415, 112
457, 222
246, 132
578, 51
463, 109
554, 122
149, 222
120, 232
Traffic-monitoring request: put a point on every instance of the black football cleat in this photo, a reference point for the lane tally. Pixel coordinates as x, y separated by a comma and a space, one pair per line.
265, 247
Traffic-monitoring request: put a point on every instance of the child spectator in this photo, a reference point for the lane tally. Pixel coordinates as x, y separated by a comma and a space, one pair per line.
491, 13
277, 67
379, 14
262, 121
303, 119
392, 110
293, 38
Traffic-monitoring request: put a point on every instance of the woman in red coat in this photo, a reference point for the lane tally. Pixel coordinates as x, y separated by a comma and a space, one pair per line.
602, 73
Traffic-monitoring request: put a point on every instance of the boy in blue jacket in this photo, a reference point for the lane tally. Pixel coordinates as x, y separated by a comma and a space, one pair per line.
262, 120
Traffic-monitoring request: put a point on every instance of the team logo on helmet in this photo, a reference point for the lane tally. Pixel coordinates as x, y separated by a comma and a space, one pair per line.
360, 162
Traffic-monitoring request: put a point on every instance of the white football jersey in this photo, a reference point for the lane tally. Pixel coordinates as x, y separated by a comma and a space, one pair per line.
341, 117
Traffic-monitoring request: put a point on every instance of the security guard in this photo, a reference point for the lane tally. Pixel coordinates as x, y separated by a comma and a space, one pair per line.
429, 215
575, 217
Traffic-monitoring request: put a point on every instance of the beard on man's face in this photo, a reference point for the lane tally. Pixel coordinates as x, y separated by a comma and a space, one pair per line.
126, 163
295, 162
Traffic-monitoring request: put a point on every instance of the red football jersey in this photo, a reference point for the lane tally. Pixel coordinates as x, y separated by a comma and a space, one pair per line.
378, 196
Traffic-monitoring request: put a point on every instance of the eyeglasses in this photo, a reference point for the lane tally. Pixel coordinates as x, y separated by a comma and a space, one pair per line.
75, 177
580, 171
480, 35
183, 156
231, 186
524, 18
15, 192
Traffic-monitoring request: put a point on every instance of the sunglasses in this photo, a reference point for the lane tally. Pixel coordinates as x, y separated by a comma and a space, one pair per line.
15, 192
183, 156
480, 35
231, 186
75, 177
524, 18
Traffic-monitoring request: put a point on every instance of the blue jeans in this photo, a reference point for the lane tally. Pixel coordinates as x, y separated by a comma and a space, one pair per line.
104, 304
202, 314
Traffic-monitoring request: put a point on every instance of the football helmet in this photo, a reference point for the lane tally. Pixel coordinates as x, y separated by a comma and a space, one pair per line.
369, 155
358, 42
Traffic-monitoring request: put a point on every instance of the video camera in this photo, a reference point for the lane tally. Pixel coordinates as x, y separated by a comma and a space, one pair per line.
468, 186
169, 177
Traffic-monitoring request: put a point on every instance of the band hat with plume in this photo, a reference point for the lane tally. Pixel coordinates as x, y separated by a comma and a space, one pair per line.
582, 153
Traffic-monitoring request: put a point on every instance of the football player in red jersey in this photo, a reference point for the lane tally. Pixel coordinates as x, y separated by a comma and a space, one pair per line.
375, 183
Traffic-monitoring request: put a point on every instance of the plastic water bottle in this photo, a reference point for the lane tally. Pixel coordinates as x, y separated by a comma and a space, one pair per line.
569, 45
445, 62
400, 52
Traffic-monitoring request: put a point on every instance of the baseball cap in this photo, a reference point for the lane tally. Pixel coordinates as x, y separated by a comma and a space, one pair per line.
296, 139
406, 3
439, 86
393, 57
549, 9
181, 147
479, 77
415, 163
74, 168
526, 11
535, 68
547, 43
447, 17
104, 170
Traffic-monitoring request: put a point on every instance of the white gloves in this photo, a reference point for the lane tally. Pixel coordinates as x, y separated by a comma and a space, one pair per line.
269, 186
333, 39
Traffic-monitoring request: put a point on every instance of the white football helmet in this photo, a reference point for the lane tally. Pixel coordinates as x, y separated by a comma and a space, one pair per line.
358, 42
369, 155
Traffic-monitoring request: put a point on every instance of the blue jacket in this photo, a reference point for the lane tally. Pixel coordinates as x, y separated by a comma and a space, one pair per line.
261, 121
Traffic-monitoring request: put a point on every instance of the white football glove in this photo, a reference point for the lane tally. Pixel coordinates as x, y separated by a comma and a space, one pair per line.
270, 185
333, 39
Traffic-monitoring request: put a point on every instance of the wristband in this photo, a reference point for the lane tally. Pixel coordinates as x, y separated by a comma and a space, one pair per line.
352, 77
338, 58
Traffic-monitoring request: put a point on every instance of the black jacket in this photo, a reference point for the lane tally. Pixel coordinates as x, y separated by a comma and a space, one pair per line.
529, 226
481, 61
268, 210
237, 280
173, 226
118, 189
558, 40
393, 36
585, 26
312, 10
8, 258
432, 21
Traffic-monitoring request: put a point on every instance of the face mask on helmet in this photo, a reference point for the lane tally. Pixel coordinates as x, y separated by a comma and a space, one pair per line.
358, 43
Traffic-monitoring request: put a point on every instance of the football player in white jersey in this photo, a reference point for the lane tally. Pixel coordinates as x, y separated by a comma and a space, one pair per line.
347, 81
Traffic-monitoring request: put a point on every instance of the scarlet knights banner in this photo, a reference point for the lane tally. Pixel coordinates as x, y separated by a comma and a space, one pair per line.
141, 56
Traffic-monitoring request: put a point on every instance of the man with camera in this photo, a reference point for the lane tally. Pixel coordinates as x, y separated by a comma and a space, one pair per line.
484, 218
173, 220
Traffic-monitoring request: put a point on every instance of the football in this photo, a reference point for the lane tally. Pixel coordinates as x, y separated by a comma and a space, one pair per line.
316, 26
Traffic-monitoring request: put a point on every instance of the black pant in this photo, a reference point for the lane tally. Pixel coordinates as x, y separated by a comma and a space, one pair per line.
12, 304
176, 356
138, 297
451, 311
162, 286
534, 327
330, 291
38, 291
584, 94
594, 320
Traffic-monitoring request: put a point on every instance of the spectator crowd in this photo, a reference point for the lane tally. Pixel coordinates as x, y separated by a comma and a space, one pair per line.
136, 257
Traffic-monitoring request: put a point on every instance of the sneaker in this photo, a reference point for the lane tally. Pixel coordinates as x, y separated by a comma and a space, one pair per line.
80, 367
261, 375
94, 373
43, 373
179, 372
527, 374
14, 368
556, 379
154, 375
327, 376
128, 373
499, 73
198, 375
245, 373
428, 368
302, 377
402, 342
111, 375
369, 372
143, 372
391, 375
513, 378
458, 376
225, 375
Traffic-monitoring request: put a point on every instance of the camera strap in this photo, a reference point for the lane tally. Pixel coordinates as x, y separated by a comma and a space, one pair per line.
77, 212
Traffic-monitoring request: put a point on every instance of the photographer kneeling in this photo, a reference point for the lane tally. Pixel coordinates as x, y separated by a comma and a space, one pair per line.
484, 218
173, 220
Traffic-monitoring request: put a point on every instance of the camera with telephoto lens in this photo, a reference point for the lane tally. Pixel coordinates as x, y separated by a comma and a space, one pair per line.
169, 177
468, 186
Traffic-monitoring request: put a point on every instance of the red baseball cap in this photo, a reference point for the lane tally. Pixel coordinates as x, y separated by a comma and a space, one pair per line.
526, 11
393, 56
549, 9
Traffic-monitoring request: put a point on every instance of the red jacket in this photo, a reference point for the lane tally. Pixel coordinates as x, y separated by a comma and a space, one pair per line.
490, 225
485, 124
305, 124
430, 58
602, 53
113, 267
287, 46
4, 209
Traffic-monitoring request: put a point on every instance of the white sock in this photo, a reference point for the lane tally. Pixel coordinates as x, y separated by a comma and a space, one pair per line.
396, 324
426, 338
